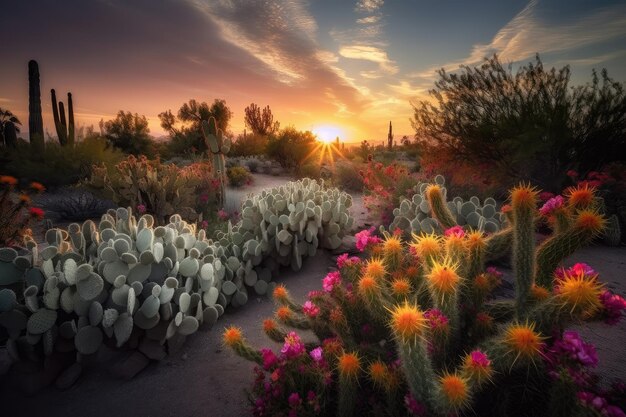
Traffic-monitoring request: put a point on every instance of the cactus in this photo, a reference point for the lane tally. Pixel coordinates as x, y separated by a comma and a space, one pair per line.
431, 325
35, 121
65, 128
219, 146
612, 232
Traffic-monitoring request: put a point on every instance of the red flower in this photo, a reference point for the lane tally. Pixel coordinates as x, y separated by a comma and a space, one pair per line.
36, 212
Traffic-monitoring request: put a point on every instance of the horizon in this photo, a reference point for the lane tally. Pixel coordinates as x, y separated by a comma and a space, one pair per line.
352, 67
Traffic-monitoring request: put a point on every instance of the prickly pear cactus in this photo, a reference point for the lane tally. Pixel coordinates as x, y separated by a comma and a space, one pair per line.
415, 215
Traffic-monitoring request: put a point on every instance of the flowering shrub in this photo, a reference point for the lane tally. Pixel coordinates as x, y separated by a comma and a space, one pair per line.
414, 329
16, 211
238, 176
384, 187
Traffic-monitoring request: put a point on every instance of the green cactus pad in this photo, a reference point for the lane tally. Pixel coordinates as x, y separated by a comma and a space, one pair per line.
90, 287
88, 340
41, 321
188, 326
123, 328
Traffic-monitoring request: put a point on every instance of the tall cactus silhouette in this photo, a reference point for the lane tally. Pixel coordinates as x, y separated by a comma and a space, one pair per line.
65, 128
218, 145
35, 121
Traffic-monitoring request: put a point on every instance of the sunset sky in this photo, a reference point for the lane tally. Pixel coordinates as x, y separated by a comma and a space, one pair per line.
352, 65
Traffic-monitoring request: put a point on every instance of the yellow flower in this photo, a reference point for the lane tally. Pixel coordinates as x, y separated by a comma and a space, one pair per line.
523, 341
443, 278
375, 268
407, 323
524, 196
401, 287
580, 293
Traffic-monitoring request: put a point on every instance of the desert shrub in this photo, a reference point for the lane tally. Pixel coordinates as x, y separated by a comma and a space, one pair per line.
156, 188
385, 187
249, 145
129, 132
530, 125
450, 348
346, 176
73, 204
309, 170
16, 211
253, 164
238, 176
59, 165
290, 147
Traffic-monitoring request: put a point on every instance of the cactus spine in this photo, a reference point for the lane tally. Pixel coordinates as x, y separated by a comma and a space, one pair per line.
64, 127
35, 121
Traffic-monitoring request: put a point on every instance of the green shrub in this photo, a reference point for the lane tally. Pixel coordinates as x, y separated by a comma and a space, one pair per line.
347, 177
59, 165
248, 145
238, 176
310, 170
290, 147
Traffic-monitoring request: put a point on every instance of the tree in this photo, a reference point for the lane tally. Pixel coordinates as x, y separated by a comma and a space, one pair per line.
260, 121
185, 129
526, 125
129, 132
9, 127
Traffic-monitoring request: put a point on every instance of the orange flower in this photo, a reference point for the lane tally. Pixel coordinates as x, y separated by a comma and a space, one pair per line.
524, 196
539, 293
408, 323
401, 287
280, 293
283, 313
591, 221
37, 187
580, 197
8, 180
349, 365
379, 373
24, 199
455, 390
523, 341
443, 278
232, 336
269, 325
367, 287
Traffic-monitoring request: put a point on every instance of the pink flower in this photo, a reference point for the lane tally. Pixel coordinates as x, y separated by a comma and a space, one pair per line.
310, 309
316, 354
455, 231
204, 197
344, 260
479, 359
331, 280
294, 400
315, 294
552, 205
494, 272
436, 319
545, 195
582, 268
364, 238
293, 345
414, 407
269, 359
222, 215
204, 224
613, 305
572, 174
141, 209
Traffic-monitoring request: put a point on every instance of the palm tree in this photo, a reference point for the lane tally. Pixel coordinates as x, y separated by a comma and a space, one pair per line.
8, 128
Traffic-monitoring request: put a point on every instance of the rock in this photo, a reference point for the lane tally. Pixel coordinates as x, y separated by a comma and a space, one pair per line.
129, 367
69, 376
152, 349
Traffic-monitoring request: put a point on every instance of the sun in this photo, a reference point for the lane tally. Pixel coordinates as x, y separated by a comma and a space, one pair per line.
327, 134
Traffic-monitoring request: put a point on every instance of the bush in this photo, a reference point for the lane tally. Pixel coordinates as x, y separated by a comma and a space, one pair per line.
238, 176
309, 170
346, 176
253, 164
16, 212
59, 165
156, 188
290, 147
249, 145
73, 204
450, 348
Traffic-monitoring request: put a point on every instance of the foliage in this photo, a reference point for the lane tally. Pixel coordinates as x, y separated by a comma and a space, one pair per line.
290, 147
249, 145
129, 133
309, 170
261, 122
238, 176
9, 127
346, 176
156, 188
73, 204
385, 187
16, 211
528, 125
185, 128
59, 165
414, 329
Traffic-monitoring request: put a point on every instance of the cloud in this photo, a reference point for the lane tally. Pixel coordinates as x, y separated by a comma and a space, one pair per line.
369, 20
407, 90
369, 5
527, 34
369, 53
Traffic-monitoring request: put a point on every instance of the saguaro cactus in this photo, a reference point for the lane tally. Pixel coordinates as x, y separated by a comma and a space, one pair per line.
390, 137
64, 128
35, 121
218, 145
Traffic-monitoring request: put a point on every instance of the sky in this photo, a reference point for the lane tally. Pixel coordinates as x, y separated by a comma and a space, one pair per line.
341, 66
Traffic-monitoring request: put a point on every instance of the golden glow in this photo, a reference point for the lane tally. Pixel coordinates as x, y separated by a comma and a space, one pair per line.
328, 134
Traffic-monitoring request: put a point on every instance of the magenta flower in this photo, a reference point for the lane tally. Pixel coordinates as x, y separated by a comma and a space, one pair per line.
364, 238
552, 205
613, 305
204, 224
415, 408
222, 215
582, 268
455, 231
293, 345
331, 280
204, 197
479, 359
310, 309
269, 359
436, 319
316, 354
294, 400
494, 272
545, 195
141, 209
344, 260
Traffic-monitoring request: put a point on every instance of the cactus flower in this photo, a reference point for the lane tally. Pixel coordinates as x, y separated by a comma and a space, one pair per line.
523, 342
581, 196
349, 365
455, 391
232, 336
477, 366
455, 231
331, 280
293, 346
408, 323
613, 305
310, 309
